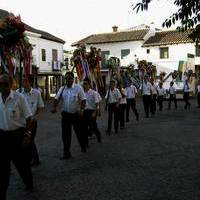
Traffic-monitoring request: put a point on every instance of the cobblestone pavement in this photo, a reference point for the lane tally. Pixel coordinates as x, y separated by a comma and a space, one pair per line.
154, 159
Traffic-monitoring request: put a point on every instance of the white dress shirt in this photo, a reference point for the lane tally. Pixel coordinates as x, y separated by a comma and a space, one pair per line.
172, 90
146, 88
123, 99
131, 92
161, 91
14, 112
154, 89
71, 97
114, 96
92, 98
198, 88
34, 99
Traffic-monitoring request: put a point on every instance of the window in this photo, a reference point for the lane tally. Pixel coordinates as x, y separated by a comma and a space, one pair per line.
198, 50
54, 54
124, 53
148, 51
104, 57
164, 53
43, 54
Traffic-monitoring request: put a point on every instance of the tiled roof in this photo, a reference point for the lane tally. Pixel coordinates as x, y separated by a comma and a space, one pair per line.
44, 34
168, 37
124, 36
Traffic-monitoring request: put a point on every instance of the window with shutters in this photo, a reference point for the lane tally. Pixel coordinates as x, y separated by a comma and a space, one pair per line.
164, 53
104, 58
43, 54
124, 53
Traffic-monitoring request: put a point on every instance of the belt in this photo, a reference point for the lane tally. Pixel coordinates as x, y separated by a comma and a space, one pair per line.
2, 132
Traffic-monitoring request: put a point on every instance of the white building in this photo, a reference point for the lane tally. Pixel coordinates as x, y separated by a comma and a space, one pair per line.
162, 48
47, 58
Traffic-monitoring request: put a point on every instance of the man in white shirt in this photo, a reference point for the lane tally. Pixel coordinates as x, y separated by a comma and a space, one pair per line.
153, 96
36, 104
186, 94
113, 97
131, 103
198, 94
72, 113
91, 110
146, 95
122, 105
15, 120
172, 95
161, 92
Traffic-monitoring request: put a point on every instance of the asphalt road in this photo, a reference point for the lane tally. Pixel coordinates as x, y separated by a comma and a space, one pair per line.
154, 159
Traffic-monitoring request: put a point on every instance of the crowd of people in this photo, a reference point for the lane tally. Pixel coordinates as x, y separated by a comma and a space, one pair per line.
81, 105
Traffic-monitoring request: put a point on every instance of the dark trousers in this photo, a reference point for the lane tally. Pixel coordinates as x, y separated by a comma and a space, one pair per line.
131, 103
186, 99
146, 103
153, 104
172, 97
11, 149
69, 120
122, 108
198, 99
112, 110
160, 102
32, 149
90, 125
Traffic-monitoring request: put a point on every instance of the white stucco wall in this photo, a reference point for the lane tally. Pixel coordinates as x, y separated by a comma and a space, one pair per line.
177, 52
115, 49
39, 44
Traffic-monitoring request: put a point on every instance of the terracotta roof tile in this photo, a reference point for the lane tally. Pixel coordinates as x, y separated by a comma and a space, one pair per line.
168, 37
113, 37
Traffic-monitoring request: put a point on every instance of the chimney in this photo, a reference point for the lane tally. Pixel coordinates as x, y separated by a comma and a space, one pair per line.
115, 29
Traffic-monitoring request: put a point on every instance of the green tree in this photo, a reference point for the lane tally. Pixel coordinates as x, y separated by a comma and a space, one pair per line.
188, 13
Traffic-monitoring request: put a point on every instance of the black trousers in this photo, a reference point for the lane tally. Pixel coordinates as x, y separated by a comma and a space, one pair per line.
198, 99
160, 102
11, 149
146, 103
131, 103
68, 121
153, 104
90, 125
122, 108
172, 97
186, 99
112, 110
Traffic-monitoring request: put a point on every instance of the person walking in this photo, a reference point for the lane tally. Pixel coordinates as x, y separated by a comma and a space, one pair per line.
172, 95
131, 103
146, 95
186, 94
72, 114
198, 94
153, 97
113, 97
36, 104
161, 93
122, 105
15, 122
91, 110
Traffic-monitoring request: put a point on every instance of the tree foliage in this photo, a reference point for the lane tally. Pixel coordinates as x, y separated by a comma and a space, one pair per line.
188, 13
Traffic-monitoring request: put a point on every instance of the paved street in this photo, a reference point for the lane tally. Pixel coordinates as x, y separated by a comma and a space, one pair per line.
154, 159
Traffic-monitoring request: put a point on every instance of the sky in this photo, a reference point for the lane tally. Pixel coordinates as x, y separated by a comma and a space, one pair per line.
72, 20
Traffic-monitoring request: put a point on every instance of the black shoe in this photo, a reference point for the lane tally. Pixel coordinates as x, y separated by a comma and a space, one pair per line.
137, 117
127, 120
66, 157
116, 131
83, 150
122, 127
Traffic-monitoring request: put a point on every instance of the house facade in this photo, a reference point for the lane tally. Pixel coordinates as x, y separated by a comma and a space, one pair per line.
47, 58
164, 49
